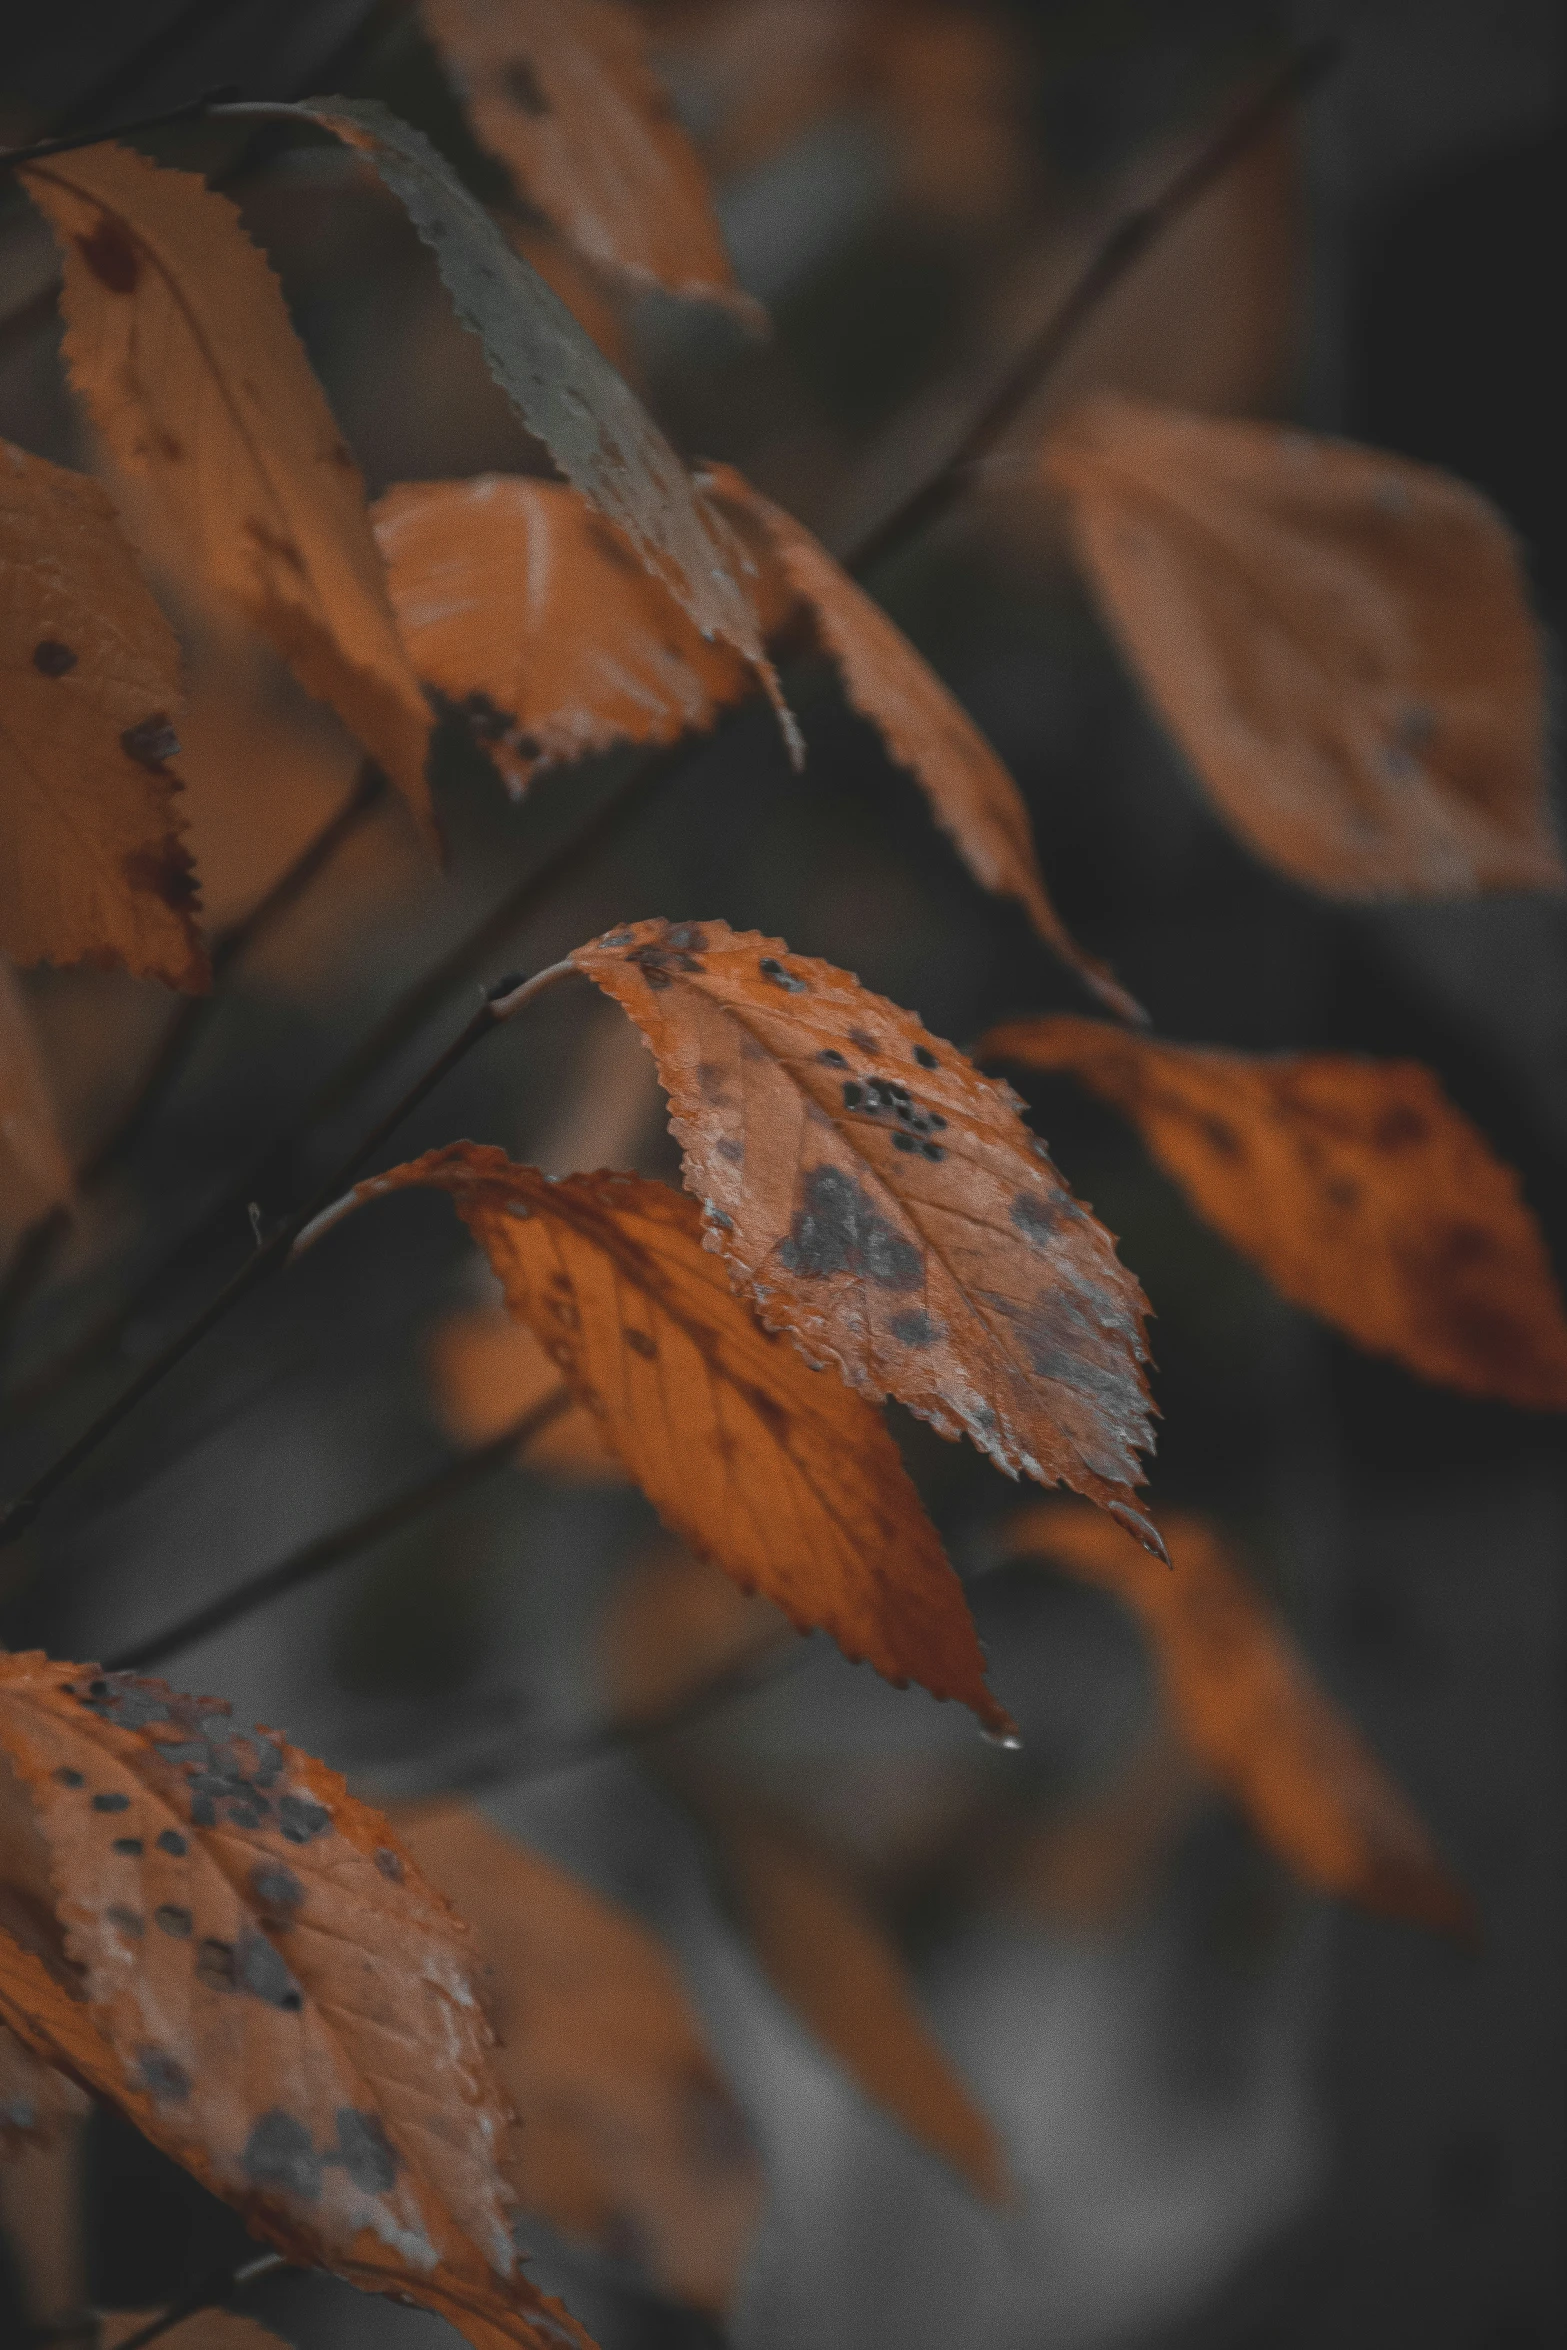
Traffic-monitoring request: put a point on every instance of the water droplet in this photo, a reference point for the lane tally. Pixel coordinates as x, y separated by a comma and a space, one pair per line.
1008, 1740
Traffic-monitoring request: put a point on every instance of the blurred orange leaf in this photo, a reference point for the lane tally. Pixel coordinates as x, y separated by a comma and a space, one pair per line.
630, 2130
782, 1477
527, 611
489, 1370
1248, 1707
204, 2329
562, 93
246, 1964
1338, 638
92, 864
35, 2099
886, 1204
1355, 1185
35, 1174
180, 344
824, 1951
925, 728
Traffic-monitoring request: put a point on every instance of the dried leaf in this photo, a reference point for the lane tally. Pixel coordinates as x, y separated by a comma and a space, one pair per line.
92, 866
247, 1965
180, 344
925, 728
1247, 1705
1338, 639
886, 1204
204, 2329
823, 1949
1355, 1185
783, 1477
35, 2100
489, 1370
562, 93
530, 614
35, 1174
631, 2138
561, 386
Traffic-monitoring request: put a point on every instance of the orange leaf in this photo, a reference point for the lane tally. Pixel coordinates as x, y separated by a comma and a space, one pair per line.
204, 2329
780, 1476
1248, 1707
1338, 639
884, 1202
525, 609
824, 1951
248, 1966
561, 91
92, 866
180, 344
1359, 1189
925, 728
630, 2128
35, 1174
489, 1371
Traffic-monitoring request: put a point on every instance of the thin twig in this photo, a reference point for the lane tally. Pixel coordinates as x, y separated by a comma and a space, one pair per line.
345, 1542
11, 158
502, 1003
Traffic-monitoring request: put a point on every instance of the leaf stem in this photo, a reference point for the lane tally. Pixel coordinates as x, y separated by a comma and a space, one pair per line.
501, 1003
12, 157
330, 1550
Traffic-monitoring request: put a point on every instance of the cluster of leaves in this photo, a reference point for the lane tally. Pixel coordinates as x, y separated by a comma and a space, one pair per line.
204, 1927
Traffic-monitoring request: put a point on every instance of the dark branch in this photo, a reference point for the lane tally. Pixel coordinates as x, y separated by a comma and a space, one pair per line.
12, 157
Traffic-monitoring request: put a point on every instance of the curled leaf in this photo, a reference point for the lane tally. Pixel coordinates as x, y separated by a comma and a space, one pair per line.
1249, 1709
782, 1477
631, 2131
924, 726
92, 864
179, 342
562, 93
879, 1198
825, 1952
1355, 1185
1339, 641
35, 1174
531, 616
246, 1963
562, 388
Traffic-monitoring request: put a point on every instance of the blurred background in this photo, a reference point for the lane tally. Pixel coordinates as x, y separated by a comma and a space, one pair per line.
1236, 2115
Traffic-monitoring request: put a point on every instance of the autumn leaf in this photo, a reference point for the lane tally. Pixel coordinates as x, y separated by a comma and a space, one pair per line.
925, 728
561, 386
204, 2329
529, 614
179, 342
560, 91
1355, 1185
824, 1951
35, 2100
886, 1204
782, 1477
1249, 1709
1338, 639
35, 1174
630, 2129
247, 1965
489, 1371
92, 864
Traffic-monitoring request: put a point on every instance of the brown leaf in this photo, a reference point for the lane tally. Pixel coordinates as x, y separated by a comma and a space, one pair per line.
35, 1174
1247, 1705
531, 614
822, 1948
1338, 639
249, 1967
783, 1477
489, 1370
1355, 1185
631, 2138
180, 344
884, 1202
92, 865
204, 2329
925, 728
562, 93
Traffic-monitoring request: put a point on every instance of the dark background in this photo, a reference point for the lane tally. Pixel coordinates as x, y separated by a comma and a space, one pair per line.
1239, 2117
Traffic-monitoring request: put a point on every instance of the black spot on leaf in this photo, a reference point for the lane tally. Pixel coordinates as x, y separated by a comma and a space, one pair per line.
925, 1057
153, 741
69, 1778
215, 1965
276, 1888
853, 1095
51, 658
301, 1819
172, 1842
364, 2151
165, 2080
130, 1847
838, 1230
127, 1920
771, 969
914, 1329
111, 256
111, 1803
259, 1969
831, 1059
390, 1864
171, 1919
1037, 1219
278, 2154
